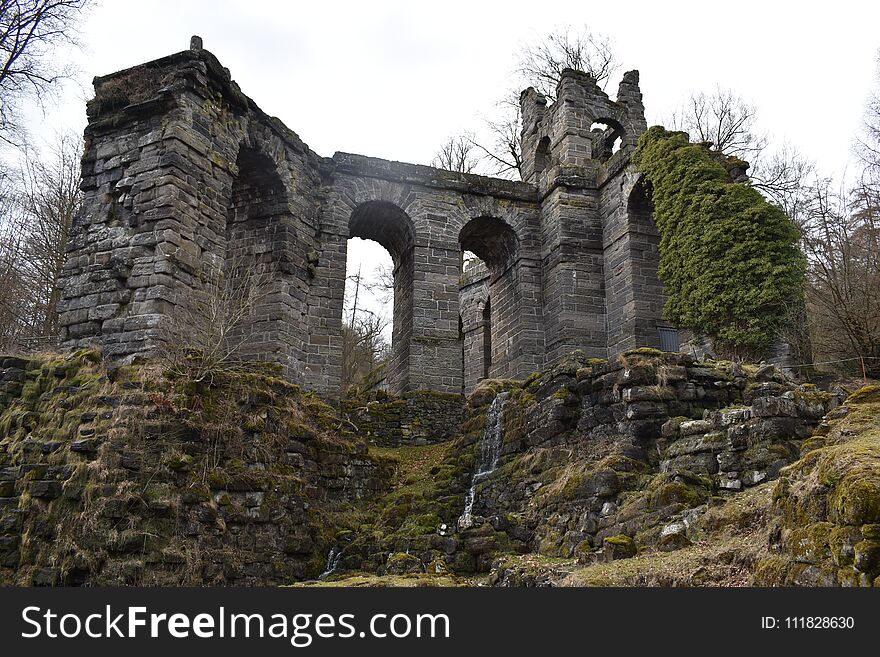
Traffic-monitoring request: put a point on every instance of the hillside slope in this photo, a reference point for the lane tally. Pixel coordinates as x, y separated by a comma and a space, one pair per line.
651, 470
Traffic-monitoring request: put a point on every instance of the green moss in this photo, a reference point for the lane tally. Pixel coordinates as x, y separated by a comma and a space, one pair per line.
623, 546
865, 395
643, 351
676, 492
810, 544
179, 462
771, 571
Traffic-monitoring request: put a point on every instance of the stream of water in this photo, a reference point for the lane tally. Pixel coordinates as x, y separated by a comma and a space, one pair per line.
333, 558
490, 452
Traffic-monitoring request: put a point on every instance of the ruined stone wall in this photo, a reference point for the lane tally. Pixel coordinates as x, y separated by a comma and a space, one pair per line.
190, 196
120, 478
597, 298
420, 215
196, 202
416, 418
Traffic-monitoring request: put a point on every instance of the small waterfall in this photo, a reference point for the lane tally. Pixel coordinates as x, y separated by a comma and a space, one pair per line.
333, 559
490, 452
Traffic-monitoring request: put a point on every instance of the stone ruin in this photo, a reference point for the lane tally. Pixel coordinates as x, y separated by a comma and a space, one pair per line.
187, 182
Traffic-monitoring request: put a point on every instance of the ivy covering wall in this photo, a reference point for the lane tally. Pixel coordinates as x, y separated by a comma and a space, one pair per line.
729, 259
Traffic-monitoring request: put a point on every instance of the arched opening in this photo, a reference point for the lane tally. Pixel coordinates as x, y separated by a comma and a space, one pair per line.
380, 276
492, 240
607, 138
243, 304
488, 297
542, 155
638, 205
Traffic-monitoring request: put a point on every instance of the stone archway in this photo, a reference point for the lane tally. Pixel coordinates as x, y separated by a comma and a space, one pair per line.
387, 224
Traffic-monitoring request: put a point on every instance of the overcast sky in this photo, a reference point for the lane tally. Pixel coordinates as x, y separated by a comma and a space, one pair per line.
395, 79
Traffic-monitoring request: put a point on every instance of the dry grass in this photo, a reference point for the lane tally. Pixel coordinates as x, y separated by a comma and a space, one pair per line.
412, 464
731, 539
369, 580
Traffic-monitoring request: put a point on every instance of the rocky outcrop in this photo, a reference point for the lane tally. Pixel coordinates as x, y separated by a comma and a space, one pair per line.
827, 530
596, 451
598, 462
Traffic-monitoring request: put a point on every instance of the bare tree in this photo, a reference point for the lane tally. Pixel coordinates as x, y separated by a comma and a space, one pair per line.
30, 31
841, 238
723, 119
42, 199
867, 145
52, 199
456, 155
503, 155
212, 322
14, 312
364, 348
727, 122
541, 62
782, 176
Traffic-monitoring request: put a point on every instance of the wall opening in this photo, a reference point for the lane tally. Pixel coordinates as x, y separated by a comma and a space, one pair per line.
381, 243
648, 326
607, 138
639, 207
493, 294
542, 155
367, 316
487, 337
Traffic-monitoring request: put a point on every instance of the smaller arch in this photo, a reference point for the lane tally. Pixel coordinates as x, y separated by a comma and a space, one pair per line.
385, 223
542, 155
639, 208
608, 136
257, 191
492, 240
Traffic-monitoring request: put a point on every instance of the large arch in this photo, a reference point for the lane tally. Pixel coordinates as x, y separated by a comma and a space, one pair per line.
390, 226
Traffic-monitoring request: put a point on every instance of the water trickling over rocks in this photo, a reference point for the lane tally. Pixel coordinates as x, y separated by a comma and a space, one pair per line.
333, 559
490, 452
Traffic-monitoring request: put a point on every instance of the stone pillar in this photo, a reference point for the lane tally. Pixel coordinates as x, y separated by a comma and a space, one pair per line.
435, 347
569, 156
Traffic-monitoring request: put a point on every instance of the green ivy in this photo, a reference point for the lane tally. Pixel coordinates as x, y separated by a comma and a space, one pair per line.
729, 260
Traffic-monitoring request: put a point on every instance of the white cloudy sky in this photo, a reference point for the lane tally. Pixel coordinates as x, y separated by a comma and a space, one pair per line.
394, 79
